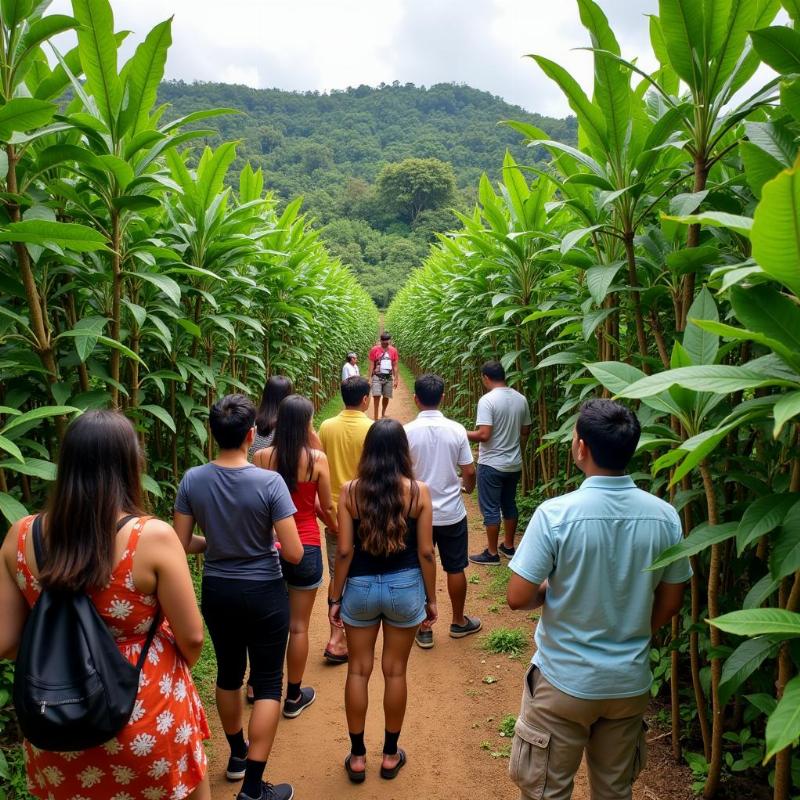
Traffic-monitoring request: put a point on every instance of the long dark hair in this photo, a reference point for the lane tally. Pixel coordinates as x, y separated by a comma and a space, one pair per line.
291, 437
275, 389
381, 507
99, 478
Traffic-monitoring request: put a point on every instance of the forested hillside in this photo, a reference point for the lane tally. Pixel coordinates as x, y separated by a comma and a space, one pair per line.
332, 148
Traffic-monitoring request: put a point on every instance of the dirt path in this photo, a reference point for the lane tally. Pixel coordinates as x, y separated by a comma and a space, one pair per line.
451, 728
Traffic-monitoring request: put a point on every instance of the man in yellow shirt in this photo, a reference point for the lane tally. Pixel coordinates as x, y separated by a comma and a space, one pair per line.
342, 440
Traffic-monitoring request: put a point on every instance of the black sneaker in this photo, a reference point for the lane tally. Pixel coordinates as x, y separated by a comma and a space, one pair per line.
472, 625
236, 768
283, 791
506, 552
485, 558
294, 708
424, 639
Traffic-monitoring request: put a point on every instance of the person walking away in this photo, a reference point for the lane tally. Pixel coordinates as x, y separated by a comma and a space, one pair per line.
98, 540
275, 389
439, 450
385, 578
305, 471
343, 440
383, 358
502, 429
585, 558
244, 600
350, 368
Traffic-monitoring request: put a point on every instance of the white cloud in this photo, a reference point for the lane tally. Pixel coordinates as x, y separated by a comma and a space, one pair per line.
331, 44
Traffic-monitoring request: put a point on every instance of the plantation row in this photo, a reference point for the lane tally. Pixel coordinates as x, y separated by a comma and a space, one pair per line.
129, 273
660, 262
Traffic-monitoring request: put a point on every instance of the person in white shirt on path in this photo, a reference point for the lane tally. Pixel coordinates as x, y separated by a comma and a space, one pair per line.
439, 450
350, 368
502, 428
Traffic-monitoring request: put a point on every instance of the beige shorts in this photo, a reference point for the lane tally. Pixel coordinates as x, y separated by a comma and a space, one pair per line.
554, 730
382, 387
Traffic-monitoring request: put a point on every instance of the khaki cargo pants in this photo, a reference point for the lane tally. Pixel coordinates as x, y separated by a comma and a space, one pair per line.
554, 730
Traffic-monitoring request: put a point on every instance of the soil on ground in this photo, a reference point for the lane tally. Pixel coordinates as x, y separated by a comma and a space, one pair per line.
458, 695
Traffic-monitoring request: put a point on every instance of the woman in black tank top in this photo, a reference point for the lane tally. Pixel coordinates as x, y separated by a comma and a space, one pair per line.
385, 576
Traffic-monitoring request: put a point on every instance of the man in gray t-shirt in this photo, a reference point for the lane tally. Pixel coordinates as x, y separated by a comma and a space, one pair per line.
235, 507
241, 508
502, 428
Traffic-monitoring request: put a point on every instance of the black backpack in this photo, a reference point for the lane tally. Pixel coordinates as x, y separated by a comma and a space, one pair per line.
73, 689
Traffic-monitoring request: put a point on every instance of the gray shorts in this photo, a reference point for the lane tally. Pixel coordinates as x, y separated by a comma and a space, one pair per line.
382, 387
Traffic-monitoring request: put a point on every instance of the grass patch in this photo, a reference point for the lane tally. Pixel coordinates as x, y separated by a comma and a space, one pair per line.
330, 409
499, 582
507, 724
408, 376
474, 579
204, 671
508, 641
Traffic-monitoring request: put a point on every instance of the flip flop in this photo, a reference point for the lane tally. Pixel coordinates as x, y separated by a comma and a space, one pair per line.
354, 775
333, 658
391, 774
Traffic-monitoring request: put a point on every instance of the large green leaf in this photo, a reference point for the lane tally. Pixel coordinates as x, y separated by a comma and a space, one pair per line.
779, 47
762, 308
742, 663
786, 407
24, 113
682, 27
212, 171
600, 278
783, 725
44, 412
701, 345
776, 229
166, 284
33, 467
62, 235
9, 447
143, 73
11, 508
97, 48
589, 116
759, 622
763, 516
785, 556
702, 537
716, 378
161, 414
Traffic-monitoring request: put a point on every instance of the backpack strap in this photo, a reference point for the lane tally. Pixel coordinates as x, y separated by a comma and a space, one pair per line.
125, 520
38, 546
151, 634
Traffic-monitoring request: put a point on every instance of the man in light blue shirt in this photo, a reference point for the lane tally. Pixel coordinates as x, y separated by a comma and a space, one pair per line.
585, 558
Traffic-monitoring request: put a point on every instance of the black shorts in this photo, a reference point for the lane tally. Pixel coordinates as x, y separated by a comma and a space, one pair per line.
247, 619
308, 573
452, 541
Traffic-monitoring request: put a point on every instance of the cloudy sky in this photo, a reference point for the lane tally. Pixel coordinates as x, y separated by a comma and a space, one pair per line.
332, 44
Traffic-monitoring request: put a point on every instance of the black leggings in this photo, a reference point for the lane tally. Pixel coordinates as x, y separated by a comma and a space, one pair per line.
248, 618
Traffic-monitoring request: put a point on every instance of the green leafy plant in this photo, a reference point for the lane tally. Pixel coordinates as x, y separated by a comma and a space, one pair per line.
509, 641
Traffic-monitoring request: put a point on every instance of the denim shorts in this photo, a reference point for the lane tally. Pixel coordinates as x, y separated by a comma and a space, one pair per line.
308, 573
497, 492
398, 598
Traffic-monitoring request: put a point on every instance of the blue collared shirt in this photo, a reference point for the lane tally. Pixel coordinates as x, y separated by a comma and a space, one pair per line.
593, 546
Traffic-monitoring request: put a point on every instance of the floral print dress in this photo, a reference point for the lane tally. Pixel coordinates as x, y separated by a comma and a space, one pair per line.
159, 754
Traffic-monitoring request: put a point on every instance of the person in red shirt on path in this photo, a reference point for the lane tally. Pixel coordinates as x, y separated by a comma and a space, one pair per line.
383, 358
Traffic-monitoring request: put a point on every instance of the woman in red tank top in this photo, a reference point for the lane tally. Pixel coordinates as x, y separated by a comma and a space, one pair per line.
306, 473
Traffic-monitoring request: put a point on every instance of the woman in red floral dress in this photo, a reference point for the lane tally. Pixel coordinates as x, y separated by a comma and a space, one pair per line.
131, 574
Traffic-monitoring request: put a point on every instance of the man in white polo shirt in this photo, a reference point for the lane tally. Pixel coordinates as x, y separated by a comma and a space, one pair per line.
439, 449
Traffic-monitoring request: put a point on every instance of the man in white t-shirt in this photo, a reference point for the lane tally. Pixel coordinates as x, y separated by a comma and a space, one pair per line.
502, 428
350, 368
439, 449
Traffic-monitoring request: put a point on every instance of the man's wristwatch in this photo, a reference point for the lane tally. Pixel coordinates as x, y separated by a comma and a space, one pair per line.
334, 602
